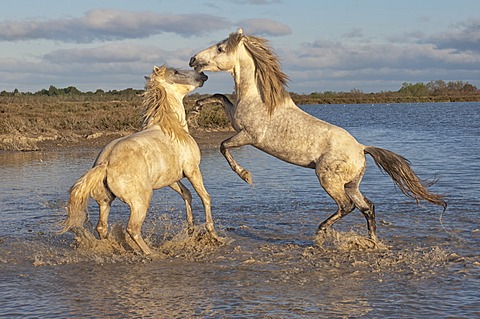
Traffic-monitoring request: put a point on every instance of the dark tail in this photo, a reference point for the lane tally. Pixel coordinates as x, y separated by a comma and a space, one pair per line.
398, 168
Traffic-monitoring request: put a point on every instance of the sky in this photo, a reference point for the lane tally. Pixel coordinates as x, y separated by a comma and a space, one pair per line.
367, 45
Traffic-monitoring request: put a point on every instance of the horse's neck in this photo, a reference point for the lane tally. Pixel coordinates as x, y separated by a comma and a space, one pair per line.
244, 77
177, 101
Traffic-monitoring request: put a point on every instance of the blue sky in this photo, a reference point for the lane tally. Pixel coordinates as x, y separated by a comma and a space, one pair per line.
368, 45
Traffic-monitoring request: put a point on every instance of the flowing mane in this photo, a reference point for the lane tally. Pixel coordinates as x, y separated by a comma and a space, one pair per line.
131, 167
271, 81
159, 110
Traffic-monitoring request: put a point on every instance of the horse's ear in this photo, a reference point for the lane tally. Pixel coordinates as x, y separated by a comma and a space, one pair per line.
240, 31
159, 71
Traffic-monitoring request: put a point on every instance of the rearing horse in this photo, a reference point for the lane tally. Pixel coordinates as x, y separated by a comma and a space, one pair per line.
265, 117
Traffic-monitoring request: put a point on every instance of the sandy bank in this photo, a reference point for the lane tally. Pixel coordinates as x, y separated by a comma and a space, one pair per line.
20, 142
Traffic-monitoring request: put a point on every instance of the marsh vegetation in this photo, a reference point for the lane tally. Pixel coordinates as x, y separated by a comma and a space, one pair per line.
66, 114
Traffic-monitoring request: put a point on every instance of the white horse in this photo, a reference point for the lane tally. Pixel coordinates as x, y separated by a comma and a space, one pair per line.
159, 155
265, 116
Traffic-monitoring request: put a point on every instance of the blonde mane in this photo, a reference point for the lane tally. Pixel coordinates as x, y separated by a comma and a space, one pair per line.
271, 81
159, 109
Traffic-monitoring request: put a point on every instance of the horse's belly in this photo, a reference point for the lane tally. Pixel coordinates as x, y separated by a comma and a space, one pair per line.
294, 155
305, 148
164, 174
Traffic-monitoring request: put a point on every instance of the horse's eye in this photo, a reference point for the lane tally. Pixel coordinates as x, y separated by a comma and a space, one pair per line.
176, 72
220, 49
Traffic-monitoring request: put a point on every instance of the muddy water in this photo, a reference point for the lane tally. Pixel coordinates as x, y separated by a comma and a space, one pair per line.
270, 267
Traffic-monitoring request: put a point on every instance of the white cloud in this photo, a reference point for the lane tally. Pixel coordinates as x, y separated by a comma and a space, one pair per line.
111, 24
264, 27
318, 65
464, 37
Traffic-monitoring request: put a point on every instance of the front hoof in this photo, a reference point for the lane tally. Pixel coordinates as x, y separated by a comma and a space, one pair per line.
246, 176
199, 105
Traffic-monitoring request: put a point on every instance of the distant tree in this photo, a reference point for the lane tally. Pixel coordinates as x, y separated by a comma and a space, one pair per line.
469, 88
356, 92
417, 89
42, 92
52, 91
71, 90
438, 87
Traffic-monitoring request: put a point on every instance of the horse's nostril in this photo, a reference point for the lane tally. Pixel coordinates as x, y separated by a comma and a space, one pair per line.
192, 61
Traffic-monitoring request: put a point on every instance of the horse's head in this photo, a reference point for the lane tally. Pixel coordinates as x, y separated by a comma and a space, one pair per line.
218, 57
253, 56
164, 92
182, 81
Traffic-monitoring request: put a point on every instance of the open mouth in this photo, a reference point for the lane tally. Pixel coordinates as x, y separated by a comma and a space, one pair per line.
199, 67
203, 79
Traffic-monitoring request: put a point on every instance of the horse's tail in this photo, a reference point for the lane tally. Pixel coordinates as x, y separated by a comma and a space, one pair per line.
79, 194
398, 168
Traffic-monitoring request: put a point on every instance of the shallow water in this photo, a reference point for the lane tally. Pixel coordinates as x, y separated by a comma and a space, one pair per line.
270, 268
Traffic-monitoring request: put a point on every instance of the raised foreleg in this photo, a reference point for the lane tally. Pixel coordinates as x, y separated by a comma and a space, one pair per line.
220, 99
242, 138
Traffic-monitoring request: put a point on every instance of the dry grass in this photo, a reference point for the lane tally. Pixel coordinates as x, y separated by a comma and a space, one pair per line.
28, 120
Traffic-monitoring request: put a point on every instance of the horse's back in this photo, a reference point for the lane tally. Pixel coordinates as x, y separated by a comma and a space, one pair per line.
300, 138
150, 156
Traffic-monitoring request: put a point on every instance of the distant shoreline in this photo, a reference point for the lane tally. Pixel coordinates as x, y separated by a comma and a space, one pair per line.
48, 142
30, 123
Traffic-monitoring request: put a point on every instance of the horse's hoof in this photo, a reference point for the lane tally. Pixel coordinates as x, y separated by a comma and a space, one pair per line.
199, 104
321, 236
319, 240
217, 240
246, 176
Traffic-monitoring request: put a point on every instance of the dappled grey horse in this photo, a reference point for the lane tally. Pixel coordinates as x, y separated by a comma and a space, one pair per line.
264, 115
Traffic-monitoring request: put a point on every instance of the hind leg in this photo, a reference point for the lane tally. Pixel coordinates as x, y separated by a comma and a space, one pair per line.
104, 199
187, 197
335, 188
365, 206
